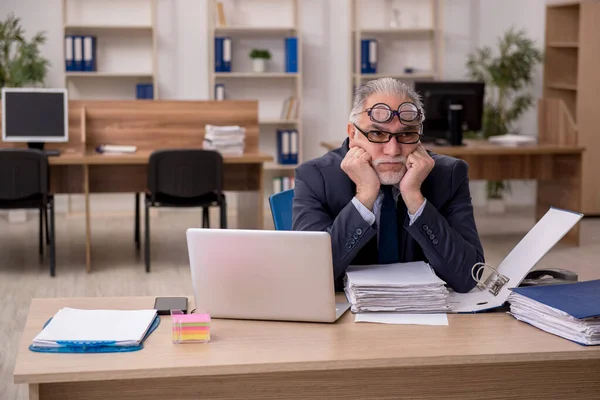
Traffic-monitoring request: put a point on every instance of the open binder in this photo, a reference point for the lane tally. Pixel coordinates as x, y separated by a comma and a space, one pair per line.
494, 284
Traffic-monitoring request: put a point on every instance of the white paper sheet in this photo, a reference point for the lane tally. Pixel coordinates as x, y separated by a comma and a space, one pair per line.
402, 319
123, 327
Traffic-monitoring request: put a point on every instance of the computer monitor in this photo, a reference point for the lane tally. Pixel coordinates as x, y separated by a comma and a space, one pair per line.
450, 109
35, 115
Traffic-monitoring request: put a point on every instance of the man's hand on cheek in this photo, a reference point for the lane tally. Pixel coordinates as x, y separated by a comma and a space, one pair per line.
357, 165
418, 166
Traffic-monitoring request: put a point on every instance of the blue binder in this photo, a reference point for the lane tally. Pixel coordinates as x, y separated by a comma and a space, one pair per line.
579, 300
219, 54
89, 53
144, 91
364, 56
94, 347
283, 147
372, 60
77, 53
294, 144
227, 54
69, 53
291, 54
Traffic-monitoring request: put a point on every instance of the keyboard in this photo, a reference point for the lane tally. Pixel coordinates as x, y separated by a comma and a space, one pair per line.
52, 153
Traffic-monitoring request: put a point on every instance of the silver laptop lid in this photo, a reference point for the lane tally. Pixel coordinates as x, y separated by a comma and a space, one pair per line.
255, 274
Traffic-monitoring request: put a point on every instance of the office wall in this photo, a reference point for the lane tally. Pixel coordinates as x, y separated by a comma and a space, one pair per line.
182, 48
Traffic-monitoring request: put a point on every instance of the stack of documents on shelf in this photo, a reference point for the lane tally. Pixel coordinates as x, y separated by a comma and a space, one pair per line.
225, 139
75, 330
404, 287
571, 311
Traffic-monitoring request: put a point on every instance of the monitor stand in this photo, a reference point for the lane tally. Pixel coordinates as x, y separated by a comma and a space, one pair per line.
36, 145
455, 122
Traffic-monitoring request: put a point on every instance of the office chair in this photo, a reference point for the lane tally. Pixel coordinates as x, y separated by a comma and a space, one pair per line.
281, 209
184, 178
24, 183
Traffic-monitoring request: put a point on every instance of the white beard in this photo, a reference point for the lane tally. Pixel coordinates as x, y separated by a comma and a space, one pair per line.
390, 177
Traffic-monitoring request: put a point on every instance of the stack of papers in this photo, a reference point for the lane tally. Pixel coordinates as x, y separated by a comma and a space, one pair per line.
74, 327
571, 311
404, 287
512, 140
225, 139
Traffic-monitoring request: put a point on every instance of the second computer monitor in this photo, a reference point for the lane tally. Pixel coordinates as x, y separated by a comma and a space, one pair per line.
35, 115
450, 109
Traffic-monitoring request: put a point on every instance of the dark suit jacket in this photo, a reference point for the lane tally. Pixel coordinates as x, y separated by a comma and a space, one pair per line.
444, 235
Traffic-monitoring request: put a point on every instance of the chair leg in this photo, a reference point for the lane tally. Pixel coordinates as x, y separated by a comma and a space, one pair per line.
41, 244
147, 236
205, 217
223, 210
136, 235
52, 240
47, 227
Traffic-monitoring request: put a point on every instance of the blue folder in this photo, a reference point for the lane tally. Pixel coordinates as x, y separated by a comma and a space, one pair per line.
95, 347
580, 300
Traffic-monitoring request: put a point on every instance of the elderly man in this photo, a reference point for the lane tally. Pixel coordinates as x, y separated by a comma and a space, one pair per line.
383, 198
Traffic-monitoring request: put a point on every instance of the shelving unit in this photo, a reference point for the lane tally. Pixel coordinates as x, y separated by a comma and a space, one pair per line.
416, 40
568, 111
260, 24
126, 47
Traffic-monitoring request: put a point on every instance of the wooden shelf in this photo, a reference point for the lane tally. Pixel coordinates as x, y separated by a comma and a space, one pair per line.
255, 31
396, 32
564, 45
562, 86
148, 28
279, 167
275, 121
416, 75
260, 75
108, 75
567, 3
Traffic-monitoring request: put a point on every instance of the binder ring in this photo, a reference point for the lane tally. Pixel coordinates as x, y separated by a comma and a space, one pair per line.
494, 282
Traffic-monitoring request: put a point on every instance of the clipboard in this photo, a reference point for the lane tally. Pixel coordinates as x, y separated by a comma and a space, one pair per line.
94, 347
494, 284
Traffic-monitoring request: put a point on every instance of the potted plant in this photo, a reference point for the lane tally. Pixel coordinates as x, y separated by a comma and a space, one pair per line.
259, 59
20, 61
507, 76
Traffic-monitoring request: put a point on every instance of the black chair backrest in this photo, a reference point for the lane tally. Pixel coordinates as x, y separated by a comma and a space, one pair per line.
23, 173
185, 173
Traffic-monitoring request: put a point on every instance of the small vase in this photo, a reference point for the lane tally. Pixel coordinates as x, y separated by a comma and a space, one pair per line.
258, 64
496, 206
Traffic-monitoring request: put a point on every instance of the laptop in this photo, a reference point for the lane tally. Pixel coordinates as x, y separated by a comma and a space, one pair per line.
263, 275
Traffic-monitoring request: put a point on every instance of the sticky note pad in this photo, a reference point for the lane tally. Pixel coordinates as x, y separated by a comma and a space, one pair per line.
190, 328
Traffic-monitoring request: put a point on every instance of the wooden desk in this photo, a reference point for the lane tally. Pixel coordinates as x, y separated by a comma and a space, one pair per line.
150, 125
90, 172
557, 168
484, 356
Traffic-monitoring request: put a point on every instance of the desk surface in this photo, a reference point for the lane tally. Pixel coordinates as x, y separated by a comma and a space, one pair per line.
240, 347
139, 157
482, 147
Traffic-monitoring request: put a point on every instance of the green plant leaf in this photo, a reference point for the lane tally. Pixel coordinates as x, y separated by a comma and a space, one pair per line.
21, 63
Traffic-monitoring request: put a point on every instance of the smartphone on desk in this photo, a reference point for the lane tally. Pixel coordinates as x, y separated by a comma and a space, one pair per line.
164, 305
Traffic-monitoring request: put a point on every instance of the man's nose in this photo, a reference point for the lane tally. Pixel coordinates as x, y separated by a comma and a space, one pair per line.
392, 148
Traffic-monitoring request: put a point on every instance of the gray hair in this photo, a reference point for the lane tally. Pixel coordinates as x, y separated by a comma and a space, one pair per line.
388, 86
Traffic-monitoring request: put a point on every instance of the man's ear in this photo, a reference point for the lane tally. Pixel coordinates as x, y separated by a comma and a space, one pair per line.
351, 132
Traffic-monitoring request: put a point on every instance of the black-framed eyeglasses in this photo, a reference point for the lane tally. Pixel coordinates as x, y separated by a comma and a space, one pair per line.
379, 136
408, 114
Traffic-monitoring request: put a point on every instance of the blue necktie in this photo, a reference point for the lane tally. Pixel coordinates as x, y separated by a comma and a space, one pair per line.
388, 228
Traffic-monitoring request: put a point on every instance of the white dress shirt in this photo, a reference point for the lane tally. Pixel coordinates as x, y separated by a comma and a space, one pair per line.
373, 216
